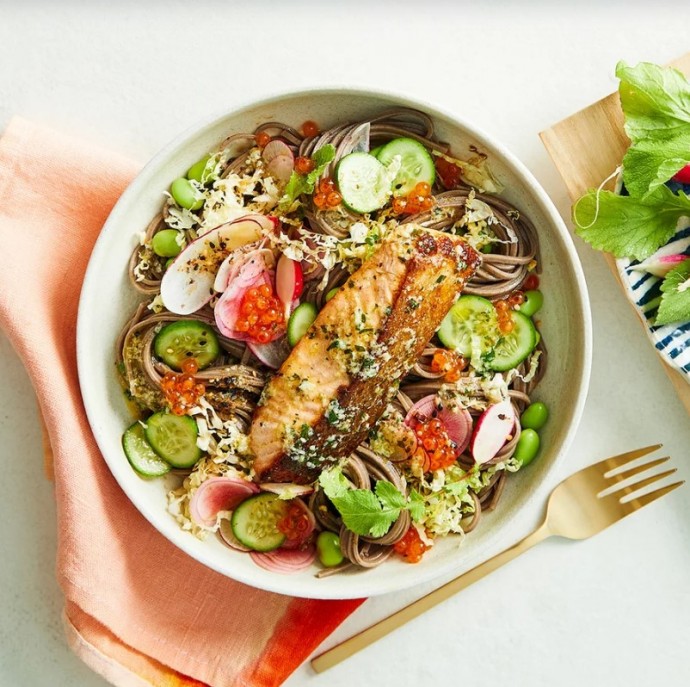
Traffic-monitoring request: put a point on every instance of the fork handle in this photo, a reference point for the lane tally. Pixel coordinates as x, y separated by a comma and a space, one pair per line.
351, 646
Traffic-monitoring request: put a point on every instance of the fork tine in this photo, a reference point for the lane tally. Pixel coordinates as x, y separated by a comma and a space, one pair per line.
646, 499
626, 473
620, 491
620, 461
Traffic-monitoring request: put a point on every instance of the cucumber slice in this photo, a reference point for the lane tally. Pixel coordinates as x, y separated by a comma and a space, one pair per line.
173, 438
513, 348
470, 317
255, 522
416, 164
140, 454
375, 151
363, 182
186, 339
300, 320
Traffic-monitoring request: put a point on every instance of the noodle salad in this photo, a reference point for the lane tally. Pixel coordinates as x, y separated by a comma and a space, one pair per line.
337, 348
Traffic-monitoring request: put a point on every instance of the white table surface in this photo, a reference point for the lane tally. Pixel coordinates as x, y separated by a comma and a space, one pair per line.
610, 611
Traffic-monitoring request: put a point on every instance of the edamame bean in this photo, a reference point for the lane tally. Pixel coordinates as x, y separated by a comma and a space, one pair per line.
185, 195
331, 293
169, 262
196, 171
533, 302
527, 447
328, 548
535, 416
164, 243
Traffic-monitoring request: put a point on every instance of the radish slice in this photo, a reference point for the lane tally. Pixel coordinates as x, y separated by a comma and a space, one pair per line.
285, 560
286, 489
276, 149
217, 494
272, 354
458, 424
289, 281
281, 168
230, 266
494, 426
228, 537
185, 290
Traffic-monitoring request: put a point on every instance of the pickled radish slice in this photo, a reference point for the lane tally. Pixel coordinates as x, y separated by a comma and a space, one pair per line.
187, 284
458, 424
281, 168
289, 280
285, 561
276, 149
494, 426
228, 537
218, 494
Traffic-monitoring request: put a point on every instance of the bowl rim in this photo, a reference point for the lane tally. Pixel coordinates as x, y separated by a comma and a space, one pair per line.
538, 194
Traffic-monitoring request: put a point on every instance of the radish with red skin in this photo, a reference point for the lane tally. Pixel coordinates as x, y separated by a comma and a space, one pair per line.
228, 537
185, 290
493, 428
458, 424
218, 494
289, 280
281, 168
277, 148
285, 560
682, 176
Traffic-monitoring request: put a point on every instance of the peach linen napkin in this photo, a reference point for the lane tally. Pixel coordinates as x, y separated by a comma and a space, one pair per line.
137, 610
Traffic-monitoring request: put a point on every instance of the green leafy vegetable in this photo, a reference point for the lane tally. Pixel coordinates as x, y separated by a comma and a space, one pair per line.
368, 513
626, 226
675, 302
656, 104
305, 183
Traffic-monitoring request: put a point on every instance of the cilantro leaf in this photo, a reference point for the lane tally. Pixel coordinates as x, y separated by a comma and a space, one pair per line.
389, 496
626, 226
675, 302
334, 483
656, 104
416, 505
363, 513
299, 184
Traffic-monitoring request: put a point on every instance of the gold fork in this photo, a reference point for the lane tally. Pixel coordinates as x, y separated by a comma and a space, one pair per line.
581, 506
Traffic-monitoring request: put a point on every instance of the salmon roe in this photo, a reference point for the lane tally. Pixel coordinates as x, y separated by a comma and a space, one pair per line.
262, 139
326, 196
411, 547
449, 362
503, 308
448, 172
418, 200
181, 390
261, 314
304, 165
433, 437
531, 283
295, 524
310, 128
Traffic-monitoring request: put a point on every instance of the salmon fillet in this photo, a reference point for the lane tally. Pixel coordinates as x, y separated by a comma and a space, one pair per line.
339, 378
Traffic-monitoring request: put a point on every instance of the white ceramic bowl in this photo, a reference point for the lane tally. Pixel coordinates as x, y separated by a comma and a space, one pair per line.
107, 299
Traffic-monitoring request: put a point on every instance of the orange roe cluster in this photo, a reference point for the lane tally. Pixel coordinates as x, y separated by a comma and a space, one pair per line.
326, 197
310, 128
450, 363
448, 173
295, 524
438, 446
411, 547
304, 165
503, 308
181, 390
418, 200
261, 314
262, 139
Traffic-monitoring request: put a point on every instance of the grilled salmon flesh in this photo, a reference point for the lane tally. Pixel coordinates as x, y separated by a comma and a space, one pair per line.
339, 378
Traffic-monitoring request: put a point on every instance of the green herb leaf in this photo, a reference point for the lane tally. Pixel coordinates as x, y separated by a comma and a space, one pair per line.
416, 506
629, 227
389, 496
675, 302
299, 184
334, 483
363, 513
656, 104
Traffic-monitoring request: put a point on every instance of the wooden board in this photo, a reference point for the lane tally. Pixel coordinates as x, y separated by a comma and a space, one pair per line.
586, 147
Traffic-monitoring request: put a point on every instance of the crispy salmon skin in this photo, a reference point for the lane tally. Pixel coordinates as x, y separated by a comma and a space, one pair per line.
339, 378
